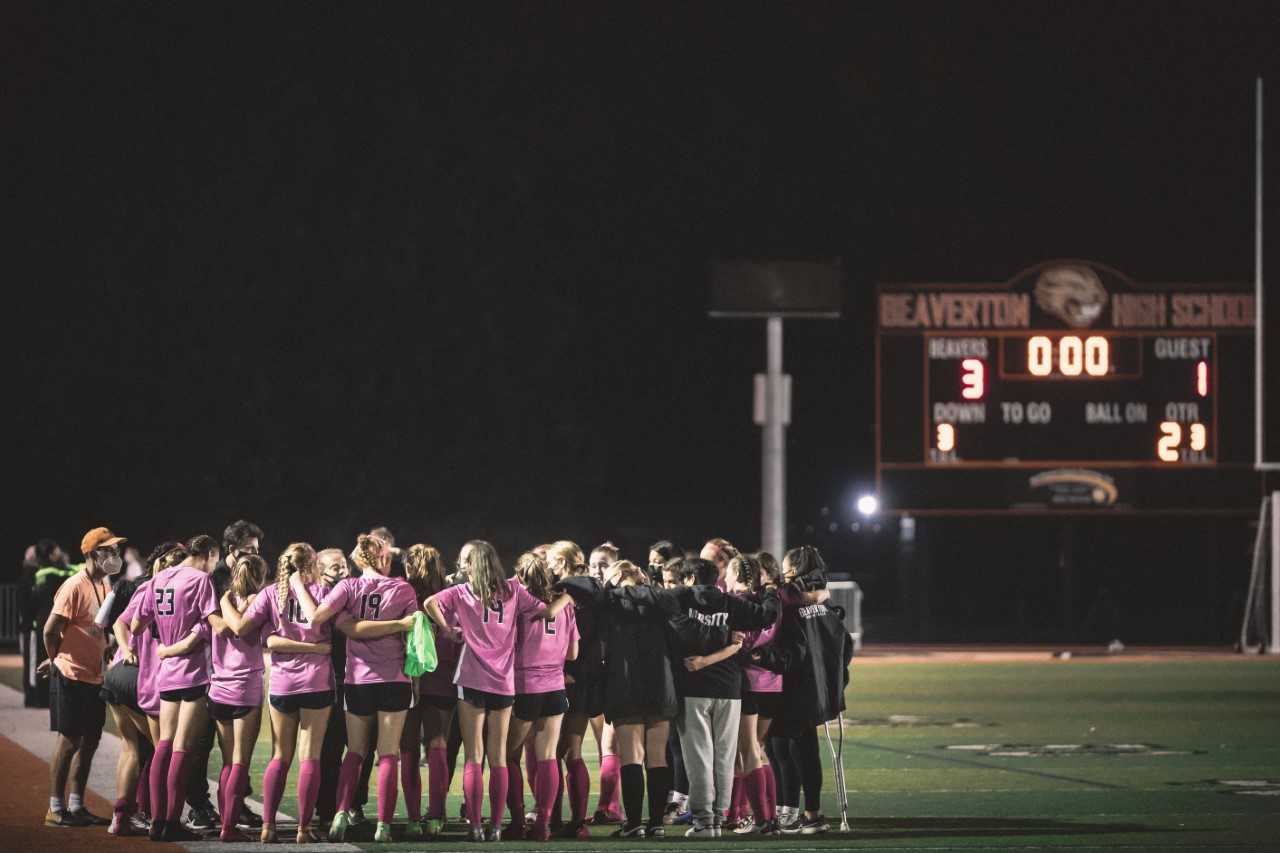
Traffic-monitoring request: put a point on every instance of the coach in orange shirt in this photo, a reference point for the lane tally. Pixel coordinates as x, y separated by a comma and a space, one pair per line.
76, 643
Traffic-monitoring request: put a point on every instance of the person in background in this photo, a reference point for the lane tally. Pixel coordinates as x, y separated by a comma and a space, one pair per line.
720, 552
75, 644
397, 556
49, 571
132, 565
240, 539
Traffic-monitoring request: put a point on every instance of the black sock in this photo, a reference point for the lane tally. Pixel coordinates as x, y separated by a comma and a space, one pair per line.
659, 788
633, 793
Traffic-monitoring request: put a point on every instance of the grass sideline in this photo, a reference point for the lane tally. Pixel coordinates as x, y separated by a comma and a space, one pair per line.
1075, 755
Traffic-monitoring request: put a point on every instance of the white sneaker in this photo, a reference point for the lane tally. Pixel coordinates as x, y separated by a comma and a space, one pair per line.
701, 830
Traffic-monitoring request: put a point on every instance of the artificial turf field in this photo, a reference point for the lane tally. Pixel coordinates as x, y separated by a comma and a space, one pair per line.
1145, 755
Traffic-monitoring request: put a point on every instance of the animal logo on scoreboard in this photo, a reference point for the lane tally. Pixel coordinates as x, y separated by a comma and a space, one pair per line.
1071, 292
1075, 487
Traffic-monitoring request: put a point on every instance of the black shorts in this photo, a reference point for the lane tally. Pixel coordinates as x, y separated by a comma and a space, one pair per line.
219, 711
586, 697
185, 694
484, 699
444, 703
535, 706
764, 704
120, 686
365, 700
293, 702
648, 715
75, 707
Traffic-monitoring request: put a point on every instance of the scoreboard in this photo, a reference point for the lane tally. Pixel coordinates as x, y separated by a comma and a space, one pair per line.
1069, 388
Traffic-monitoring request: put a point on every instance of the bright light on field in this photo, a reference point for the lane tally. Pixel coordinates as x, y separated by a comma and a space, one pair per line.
867, 504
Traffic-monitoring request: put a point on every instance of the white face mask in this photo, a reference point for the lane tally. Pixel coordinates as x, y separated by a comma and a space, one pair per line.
111, 564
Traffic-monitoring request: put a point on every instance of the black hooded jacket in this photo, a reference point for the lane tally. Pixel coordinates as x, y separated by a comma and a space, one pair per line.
812, 650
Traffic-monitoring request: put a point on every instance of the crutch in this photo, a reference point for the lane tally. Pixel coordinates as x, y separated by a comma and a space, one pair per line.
837, 760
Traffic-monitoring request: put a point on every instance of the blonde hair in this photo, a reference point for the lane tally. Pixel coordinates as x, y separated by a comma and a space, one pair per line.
484, 572
369, 551
248, 576
424, 567
536, 577
569, 554
298, 557
608, 549
625, 571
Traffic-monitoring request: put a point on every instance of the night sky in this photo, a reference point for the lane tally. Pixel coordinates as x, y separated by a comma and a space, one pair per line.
444, 269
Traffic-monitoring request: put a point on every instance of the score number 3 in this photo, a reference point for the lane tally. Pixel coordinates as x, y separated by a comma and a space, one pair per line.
1171, 438
974, 379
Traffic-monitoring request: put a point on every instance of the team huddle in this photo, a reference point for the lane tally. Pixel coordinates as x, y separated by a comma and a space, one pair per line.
702, 679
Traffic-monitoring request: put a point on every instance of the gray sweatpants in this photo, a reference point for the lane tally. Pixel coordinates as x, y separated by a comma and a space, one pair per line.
708, 731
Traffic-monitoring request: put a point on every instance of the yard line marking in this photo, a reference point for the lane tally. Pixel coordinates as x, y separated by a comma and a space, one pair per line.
969, 762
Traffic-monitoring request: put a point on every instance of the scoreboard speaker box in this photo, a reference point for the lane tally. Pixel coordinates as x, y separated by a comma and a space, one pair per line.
776, 288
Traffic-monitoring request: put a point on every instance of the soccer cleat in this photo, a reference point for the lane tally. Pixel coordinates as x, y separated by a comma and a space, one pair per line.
88, 818
338, 829
268, 834
432, 827
602, 818
355, 817
493, 833
628, 831
202, 818
383, 833
539, 833
247, 818
231, 835
60, 819
683, 819
656, 830
813, 825
582, 832
177, 832
746, 826
700, 830
119, 825
140, 822
156, 831
530, 817
475, 832
413, 830
769, 827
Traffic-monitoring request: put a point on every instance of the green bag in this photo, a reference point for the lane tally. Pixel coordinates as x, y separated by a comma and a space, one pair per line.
420, 647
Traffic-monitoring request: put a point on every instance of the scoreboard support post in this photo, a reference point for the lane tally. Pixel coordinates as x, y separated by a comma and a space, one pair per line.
773, 459
1273, 645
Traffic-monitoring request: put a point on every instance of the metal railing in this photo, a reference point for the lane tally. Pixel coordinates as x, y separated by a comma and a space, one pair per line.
848, 595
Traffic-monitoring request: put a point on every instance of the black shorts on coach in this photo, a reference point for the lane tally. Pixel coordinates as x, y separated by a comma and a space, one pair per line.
365, 700
535, 706
75, 707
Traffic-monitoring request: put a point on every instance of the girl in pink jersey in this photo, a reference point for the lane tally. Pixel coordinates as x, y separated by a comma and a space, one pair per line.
181, 598
301, 687
429, 719
235, 691
376, 688
134, 702
484, 614
542, 647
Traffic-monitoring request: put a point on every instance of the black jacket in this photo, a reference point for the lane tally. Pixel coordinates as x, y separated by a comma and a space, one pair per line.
812, 650
637, 671
700, 620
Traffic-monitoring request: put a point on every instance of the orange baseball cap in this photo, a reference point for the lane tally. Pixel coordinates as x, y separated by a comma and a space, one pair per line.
99, 537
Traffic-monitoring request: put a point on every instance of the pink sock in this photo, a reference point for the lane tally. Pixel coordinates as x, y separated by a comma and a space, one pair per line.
544, 789
764, 777
737, 798
473, 790
610, 770
771, 794
308, 789
176, 783
411, 782
159, 776
142, 791
557, 810
579, 788
437, 780
122, 807
235, 783
388, 773
223, 790
497, 795
753, 785
348, 775
273, 789
515, 792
